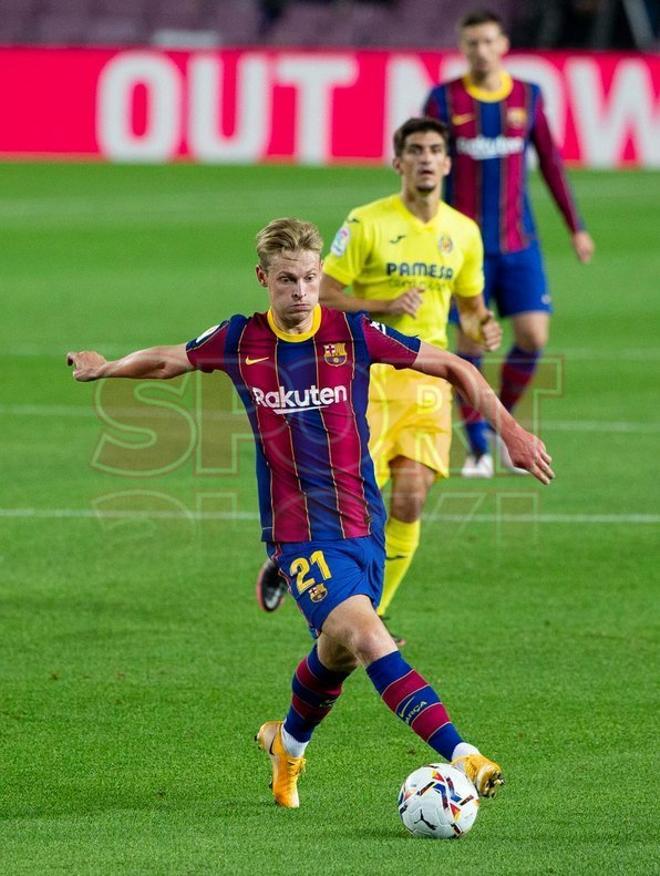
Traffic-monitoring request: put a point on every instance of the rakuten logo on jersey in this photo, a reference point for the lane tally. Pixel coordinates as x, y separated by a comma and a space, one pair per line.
293, 401
480, 148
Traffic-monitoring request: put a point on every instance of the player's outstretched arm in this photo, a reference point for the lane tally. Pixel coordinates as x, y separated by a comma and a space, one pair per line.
332, 294
526, 450
155, 363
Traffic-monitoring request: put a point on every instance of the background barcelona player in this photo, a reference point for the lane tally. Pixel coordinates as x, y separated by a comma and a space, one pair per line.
493, 118
302, 372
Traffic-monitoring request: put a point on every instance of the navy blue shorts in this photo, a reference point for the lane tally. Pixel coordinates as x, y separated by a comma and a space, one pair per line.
323, 573
515, 282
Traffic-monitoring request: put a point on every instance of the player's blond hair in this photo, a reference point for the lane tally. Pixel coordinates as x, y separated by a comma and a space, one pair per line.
288, 234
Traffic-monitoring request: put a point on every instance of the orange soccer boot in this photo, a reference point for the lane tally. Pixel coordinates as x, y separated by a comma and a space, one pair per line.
485, 774
286, 768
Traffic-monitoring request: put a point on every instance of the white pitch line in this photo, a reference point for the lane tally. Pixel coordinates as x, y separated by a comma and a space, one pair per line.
152, 411
87, 513
598, 426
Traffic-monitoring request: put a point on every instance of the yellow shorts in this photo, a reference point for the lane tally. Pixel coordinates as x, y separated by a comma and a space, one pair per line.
409, 415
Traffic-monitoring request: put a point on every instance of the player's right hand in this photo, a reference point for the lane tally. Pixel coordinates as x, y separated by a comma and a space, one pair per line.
583, 245
528, 452
86, 364
409, 302
491, 332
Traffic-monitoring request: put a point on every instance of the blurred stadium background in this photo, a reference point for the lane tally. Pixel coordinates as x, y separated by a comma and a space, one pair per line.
143, 143
592, 24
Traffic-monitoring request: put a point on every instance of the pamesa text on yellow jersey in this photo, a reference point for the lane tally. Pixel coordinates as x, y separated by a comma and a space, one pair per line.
382, 250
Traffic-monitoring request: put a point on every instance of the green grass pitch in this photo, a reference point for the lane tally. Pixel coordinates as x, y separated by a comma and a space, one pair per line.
135, 666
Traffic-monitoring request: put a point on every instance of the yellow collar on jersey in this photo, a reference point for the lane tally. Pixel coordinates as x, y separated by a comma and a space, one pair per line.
295, 338
401, 207
489, 96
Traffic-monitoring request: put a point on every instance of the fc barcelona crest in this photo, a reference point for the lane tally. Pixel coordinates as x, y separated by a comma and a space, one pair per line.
318, 592
516, 116
335, 354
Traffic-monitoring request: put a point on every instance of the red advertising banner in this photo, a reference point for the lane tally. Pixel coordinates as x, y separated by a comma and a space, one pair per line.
311, 107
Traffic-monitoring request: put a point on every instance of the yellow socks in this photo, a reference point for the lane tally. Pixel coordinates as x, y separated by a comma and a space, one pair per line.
401, 540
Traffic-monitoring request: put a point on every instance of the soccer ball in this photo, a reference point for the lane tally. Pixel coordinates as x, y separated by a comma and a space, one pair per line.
438, 801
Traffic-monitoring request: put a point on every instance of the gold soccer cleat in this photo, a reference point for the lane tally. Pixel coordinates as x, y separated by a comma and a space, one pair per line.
484, 774
286, 768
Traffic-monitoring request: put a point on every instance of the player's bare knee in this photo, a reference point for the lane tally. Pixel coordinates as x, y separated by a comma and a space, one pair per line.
531, 331
373, 644
532, 340
335, 656
408, 507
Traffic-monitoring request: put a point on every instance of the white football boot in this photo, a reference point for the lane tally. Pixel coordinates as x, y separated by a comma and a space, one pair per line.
478, 466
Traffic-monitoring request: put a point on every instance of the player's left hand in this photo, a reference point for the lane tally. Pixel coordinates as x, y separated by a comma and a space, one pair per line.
528, 452
491, 332
583, 245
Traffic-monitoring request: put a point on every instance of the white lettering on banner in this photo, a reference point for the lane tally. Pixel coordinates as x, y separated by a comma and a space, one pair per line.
116, 87
605, 122
252, 100
185, 107
315, 76
407, 84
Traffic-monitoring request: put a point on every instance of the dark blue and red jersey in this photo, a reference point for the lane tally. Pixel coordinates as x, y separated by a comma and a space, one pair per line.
306, 398
490, 133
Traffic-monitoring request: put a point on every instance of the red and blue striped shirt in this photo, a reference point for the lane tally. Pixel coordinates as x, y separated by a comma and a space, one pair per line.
490, 134
306, 399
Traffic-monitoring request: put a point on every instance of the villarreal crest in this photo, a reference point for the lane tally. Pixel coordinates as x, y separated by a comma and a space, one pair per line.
335, 354
445, 244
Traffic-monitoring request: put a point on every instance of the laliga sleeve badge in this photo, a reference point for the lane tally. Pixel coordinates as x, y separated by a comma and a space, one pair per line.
340, 242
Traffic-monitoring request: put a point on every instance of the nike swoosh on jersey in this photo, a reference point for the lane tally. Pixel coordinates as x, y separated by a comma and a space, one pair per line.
249, 361
462, 118
397, 239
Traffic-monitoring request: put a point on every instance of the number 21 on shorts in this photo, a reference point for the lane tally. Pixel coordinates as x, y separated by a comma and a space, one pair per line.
301, 568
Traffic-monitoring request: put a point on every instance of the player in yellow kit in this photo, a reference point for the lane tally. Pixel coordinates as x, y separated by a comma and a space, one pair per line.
404, 257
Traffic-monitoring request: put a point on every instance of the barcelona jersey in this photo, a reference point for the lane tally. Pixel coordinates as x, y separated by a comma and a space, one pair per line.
306, 399
383, 249
490, 133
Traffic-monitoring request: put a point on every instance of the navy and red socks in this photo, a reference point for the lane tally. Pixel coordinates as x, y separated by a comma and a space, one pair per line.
314, 692
411, 698
517, 371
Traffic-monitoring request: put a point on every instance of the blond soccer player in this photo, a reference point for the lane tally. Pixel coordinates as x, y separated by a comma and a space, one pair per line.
404, 256
302, 372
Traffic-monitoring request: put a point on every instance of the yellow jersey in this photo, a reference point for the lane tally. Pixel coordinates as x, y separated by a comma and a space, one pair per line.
383, 249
